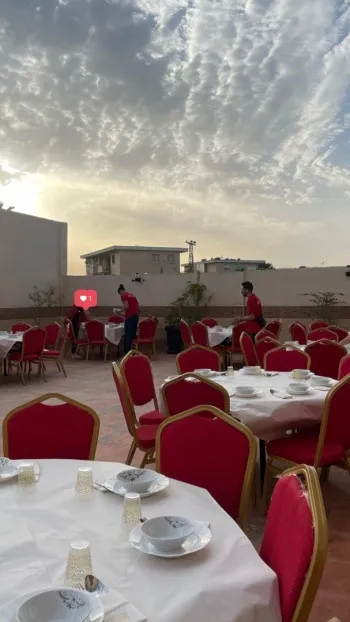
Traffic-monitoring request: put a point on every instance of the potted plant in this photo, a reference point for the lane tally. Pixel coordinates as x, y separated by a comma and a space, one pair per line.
189, 306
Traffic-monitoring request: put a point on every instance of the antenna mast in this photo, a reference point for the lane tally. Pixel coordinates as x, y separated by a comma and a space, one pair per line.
191, 245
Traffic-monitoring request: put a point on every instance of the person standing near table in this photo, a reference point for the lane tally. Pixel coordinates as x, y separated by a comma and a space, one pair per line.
254, 319
131, 312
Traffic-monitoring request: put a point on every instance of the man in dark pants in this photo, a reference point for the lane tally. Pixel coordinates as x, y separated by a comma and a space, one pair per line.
131, 316
254, 318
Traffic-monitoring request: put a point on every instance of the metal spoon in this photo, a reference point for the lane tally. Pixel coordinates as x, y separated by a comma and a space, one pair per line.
93, 585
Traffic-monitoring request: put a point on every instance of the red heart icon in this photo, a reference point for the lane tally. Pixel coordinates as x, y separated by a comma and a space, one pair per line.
85, 298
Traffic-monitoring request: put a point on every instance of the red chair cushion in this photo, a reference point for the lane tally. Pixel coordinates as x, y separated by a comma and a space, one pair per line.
17, 356
81, 342
301, 449
151, 418
51, 353
144, 340
146, 436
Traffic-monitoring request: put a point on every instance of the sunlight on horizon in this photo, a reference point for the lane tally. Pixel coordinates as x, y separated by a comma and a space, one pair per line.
22, 194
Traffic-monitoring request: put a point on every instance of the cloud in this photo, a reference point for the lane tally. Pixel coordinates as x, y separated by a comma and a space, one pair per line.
226, 120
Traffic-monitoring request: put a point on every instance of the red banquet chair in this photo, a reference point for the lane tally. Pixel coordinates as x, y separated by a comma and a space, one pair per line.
200, 334
37, 430
344, 367
264, 333
263, 346
58, 354
146, 333
186, 334
325, 357
95, 333
198, 451
234, 348
191, 390
298, 333
318, 324
52, 333
197, 357
115, 319
341, 332
286, 358
274, 327
20, 327
320, 447
32, 350
248, 350
136, 372
209, 321
322, 333
143, 436
295, 540
72, 340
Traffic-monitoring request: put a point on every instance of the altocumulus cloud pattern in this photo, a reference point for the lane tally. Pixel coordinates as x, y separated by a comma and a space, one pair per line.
240, 105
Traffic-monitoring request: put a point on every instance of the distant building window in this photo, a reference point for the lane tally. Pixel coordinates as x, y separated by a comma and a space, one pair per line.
156, 258
113, 258
171, 259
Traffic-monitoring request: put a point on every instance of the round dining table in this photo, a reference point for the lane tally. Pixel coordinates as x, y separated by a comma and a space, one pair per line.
226, 581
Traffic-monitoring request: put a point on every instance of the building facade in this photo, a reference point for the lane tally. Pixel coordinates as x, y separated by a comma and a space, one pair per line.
218, 264
129, 260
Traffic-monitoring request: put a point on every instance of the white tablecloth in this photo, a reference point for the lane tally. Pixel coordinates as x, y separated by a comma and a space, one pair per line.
7, 341
269, 415
302, 347
218, 334
226, 582
114, 334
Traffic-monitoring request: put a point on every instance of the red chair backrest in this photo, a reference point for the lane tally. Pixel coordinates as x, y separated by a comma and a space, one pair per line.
335, 418
344, 367
200, 334
237, 331
209, 321
37, 430
67, 322
115, 319
274, 327
264, 333
290, 537
318, 324
263, 346
33, 341
52, 333
248, 350
298, 333
147, 328
185, 443
322, 333
136, 371
286, 359
341, 332
95, 330
20, 327
129, 415
189, 391
185, 333
197, 357
325, 358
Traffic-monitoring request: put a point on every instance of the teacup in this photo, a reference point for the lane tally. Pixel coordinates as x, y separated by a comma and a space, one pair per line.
136, 480
298, 387
245, 390
321, 381
300, 374
167, 533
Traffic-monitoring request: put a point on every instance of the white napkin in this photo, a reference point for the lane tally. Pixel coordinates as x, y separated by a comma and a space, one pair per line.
118, 609
282, 395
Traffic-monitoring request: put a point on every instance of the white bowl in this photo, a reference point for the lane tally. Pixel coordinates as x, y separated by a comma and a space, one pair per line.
298, 387
3, 463
321, 381
252, 370
203, 372
302, 374
65, 605
136, 480
167, 533
245, 390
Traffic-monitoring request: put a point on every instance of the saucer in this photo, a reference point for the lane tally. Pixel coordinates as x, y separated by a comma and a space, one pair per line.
243, 396
112, 484
195, 542
299, 393
8, 612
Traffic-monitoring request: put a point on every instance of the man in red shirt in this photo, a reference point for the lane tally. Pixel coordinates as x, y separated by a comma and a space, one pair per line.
254, 318
131, 312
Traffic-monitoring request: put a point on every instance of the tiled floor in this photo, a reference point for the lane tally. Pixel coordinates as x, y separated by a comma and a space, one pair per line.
92, 383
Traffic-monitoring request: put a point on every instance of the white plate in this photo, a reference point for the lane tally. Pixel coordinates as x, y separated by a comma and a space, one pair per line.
8, 612
242, 396
7, 473
112, 484
300, 393
195, 542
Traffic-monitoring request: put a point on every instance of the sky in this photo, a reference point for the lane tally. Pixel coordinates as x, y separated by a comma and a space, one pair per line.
156, 121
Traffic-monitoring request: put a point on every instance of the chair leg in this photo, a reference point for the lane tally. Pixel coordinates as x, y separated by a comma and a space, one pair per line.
154, 349
62, 368
87, 352
21, 373
131, 453
58, 365
267, 481
42, 370
148, 458
106, 351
